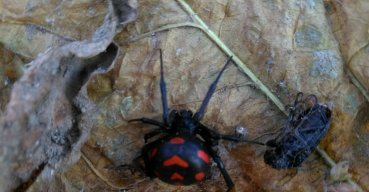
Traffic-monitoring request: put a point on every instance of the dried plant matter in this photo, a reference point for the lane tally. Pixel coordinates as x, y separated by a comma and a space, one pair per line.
290, 46
349, 25
40, 128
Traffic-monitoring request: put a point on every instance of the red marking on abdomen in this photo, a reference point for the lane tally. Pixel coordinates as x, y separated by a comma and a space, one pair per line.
176, 176
199, 176
175, 160
202, 155
153, 152
177, 140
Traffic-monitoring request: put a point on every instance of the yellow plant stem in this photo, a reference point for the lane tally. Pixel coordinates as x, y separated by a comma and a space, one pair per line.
98, 174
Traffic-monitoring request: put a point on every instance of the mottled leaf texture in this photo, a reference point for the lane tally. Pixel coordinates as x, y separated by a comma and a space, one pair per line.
313, 46
41, 128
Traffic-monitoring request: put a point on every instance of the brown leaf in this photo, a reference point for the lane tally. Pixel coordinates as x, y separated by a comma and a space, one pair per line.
346, 16
286, 44
41, 128
290, 46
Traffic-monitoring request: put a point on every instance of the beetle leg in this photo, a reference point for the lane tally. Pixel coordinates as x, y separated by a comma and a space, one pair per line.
221, 167
311, 98
299, 97
149, 121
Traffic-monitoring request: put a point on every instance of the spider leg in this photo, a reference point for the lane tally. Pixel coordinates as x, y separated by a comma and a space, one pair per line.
154, 133
149, 121
200, 113
239, 140
221, 167
163, 91
212, 137
135, 166
144, 154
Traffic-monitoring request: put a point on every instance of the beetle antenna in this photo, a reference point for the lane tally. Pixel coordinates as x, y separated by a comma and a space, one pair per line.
200, 113
163, 91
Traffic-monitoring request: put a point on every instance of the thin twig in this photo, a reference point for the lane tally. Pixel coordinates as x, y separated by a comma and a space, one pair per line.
164, 28
358, 84
352, 76
228, 52
325, 156
331, 163
98, 174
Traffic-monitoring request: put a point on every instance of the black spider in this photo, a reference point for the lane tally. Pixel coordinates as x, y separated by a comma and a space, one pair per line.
307, 124
181, 155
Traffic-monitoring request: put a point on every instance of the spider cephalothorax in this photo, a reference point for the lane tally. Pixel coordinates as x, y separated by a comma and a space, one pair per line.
182, 154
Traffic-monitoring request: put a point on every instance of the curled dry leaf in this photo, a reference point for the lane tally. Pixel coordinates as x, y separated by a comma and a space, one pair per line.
11, 68
41, 128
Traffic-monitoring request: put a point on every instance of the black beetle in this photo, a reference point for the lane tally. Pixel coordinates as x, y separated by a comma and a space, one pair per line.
308, 122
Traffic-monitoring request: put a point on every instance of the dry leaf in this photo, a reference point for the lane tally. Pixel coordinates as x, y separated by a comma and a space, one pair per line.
290, 46
41, 128
350, 26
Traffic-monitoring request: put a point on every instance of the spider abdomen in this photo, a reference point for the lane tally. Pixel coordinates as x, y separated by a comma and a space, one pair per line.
179, 160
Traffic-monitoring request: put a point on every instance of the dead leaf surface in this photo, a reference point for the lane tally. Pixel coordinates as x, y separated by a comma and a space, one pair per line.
290, 46
350, 26
41, 127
